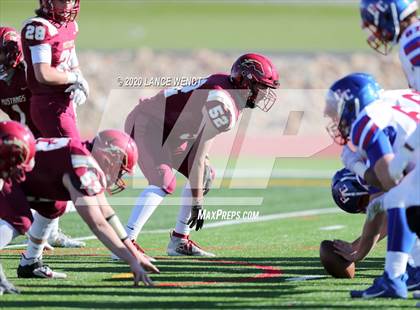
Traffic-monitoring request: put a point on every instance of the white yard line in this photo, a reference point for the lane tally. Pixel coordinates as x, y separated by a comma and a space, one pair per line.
264, 218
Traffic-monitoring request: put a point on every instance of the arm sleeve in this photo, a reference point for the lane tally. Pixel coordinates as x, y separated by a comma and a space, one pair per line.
378, 147
41, 54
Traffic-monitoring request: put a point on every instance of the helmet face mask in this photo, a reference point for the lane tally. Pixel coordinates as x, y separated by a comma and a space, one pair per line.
11, 54
59, 11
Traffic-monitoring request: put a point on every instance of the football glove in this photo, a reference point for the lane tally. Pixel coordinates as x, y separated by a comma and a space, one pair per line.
79, 90
197, 217
353, 161
208, 179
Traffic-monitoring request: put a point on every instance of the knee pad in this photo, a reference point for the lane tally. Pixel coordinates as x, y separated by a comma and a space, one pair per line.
165, 179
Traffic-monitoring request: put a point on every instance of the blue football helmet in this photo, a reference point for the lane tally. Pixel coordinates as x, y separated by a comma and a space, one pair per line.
348, 193
382, 19
346, 98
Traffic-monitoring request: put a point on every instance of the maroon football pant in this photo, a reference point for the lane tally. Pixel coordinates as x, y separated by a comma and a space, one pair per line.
15, 209
157, 164
54, 116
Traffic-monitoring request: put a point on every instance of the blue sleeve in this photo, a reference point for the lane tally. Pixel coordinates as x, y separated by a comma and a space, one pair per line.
378, 147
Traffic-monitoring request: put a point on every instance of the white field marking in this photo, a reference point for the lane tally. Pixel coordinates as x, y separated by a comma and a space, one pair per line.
333, 227
305, 278
264, 218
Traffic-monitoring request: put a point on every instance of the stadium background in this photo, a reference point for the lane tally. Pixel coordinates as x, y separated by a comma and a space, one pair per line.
312, 43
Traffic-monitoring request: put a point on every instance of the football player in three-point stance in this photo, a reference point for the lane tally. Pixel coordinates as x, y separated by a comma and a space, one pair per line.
392, 22
174, 130
378, 125
54, 77
15, 100
65, 170
17, 150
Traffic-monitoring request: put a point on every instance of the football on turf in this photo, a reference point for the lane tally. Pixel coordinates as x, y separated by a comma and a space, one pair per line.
333, 263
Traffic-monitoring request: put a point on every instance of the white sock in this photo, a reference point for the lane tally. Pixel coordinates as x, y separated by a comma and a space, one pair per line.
146, 204
40, 230
54, 228
395, 263
415, 253
7, 233
184, 214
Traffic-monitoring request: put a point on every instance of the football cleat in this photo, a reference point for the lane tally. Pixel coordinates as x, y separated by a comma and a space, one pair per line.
413, 282
181, 245
61, 240
384, 287
139, 248
35, 268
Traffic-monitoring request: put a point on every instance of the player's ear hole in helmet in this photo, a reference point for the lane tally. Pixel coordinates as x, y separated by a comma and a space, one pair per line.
117, 154
258, 77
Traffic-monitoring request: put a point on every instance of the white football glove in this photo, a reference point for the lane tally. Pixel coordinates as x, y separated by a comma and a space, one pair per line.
375, 206
77, 94
79, 90
353, 161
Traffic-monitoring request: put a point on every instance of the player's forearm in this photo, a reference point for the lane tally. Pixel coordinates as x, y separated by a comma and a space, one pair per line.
104, 232
372, 233
196, 179
45, 74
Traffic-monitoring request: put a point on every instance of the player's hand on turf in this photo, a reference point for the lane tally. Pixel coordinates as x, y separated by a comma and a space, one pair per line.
197, 217
350, 158
146, 264
7, 288
345, 250
140, 274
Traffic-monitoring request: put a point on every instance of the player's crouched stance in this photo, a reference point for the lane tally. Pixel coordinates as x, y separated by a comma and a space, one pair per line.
17, 150
174, 131
378, 125
65, 170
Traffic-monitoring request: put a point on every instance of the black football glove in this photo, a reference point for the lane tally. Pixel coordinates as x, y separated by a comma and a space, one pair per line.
197, 217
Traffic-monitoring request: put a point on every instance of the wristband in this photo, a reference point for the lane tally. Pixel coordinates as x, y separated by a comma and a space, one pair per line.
360, 168
71, 77
115, 223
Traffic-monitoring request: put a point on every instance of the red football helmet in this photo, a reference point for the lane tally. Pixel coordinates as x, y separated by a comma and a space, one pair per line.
257, 74
17, 151
60, 15
116, 153
11, 54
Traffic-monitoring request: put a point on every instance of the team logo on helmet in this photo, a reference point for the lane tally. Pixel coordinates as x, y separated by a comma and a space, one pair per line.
253, 64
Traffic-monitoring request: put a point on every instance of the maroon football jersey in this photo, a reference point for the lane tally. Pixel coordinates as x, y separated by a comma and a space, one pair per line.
15, 99
181, 111
39, 31
59, 156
